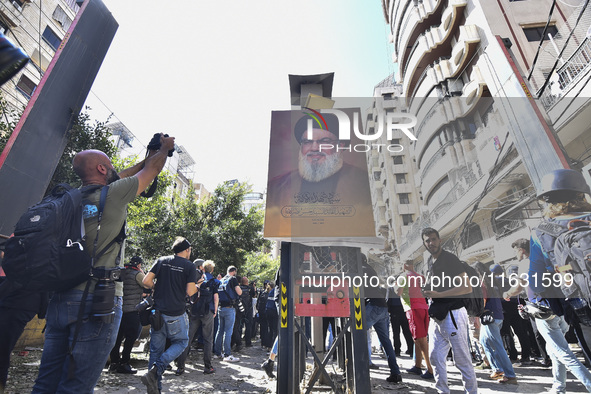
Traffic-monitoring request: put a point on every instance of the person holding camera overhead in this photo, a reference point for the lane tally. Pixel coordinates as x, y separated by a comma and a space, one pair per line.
68, 366
173, 278
229, 292
129, 330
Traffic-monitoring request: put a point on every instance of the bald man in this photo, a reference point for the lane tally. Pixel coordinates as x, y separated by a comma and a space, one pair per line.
96, 335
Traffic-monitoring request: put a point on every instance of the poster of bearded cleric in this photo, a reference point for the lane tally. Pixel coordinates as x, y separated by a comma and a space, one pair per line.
318, 185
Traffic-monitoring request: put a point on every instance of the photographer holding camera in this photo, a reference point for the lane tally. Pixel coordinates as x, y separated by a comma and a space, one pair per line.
129, 330
172, 278
65, 367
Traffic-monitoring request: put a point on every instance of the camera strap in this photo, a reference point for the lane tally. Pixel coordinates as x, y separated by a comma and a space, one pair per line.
101, 208
152, 189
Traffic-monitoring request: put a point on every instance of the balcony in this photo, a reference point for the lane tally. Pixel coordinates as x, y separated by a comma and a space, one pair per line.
433, 44
464, 49
438, 169
567, 76
449, 109
414, 22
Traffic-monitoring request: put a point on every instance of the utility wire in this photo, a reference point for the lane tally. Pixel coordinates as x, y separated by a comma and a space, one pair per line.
541, 91
531, 71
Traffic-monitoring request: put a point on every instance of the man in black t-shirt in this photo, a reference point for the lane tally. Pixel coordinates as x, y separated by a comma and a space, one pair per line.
173, 279
228, 293
449, 319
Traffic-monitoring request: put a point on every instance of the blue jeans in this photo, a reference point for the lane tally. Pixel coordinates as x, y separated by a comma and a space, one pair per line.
378, 318
175, 328
94, 343
492, 342
225, 329
553, 331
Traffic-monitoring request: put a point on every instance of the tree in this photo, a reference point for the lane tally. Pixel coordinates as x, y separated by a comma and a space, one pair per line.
223, 232
83, 135
217, 228
260, 267
8, 120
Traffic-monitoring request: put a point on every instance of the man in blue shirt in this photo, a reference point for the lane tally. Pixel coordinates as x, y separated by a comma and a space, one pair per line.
563, 193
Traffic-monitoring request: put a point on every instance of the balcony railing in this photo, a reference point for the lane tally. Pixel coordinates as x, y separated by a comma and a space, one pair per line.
568, 74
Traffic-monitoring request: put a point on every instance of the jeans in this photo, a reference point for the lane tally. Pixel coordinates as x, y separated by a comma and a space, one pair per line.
378, 318
206, 324
176, 329
553, 331
95, 340
225, 329
490, 338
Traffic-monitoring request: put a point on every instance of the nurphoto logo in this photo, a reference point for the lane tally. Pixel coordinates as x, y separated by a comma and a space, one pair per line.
389, 122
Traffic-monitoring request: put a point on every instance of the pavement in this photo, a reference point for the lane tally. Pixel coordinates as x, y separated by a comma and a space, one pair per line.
246, 376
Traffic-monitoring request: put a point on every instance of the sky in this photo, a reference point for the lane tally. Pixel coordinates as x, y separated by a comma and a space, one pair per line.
210, 72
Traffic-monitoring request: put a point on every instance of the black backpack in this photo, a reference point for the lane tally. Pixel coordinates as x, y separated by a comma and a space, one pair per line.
571, 253
206, 291
474, 301
47, 251
262, 302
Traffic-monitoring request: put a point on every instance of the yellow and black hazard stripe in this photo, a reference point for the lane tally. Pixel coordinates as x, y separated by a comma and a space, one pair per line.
283, 305
357, 308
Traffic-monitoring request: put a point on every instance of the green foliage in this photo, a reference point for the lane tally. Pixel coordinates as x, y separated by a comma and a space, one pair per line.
260, 267
217, 228
8, 120
222, 232
84, 135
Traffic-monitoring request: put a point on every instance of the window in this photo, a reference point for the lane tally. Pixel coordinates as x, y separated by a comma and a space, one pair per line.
18, 4
472, 236
400, 178
26, 86
3, 27
397, 159
403, 198
396, 141
51, 38
406, 219
534, 34
60, 15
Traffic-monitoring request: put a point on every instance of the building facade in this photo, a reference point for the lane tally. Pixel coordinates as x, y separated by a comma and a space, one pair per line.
466, 71
38, 28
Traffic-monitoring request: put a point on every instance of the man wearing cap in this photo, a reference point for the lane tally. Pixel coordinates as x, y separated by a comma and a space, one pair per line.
133, 291
322, 177
173, 278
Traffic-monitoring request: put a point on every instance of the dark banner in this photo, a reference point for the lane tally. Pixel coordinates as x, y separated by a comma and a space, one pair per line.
34, 148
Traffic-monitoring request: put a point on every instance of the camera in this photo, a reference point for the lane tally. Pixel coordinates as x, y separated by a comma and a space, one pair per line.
103, 301
240, 305
145, 304
155, 144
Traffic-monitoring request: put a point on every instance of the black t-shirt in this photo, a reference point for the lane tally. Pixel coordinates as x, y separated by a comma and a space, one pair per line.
172, 275
374, 295
230, 291
444, 269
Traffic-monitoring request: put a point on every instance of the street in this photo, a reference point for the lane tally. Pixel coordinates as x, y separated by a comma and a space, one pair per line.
246, 376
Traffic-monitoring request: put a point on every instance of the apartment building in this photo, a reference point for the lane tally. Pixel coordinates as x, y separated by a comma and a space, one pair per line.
463, 68
38, 27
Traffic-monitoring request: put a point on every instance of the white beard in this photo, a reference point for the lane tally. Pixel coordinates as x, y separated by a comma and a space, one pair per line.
315, 172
